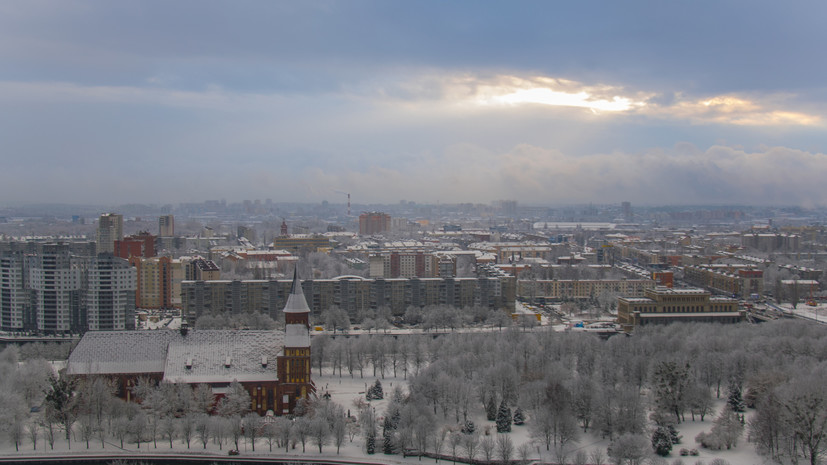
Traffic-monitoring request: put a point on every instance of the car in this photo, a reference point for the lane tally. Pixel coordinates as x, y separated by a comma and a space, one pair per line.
233, 452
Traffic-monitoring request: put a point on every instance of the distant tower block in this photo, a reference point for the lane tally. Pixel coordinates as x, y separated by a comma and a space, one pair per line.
627, 210
166, 226
110, 229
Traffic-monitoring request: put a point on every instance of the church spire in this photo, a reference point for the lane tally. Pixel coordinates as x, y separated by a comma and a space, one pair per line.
296, 303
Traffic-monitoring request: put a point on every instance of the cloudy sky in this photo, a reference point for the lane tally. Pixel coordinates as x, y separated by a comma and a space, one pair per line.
547, 102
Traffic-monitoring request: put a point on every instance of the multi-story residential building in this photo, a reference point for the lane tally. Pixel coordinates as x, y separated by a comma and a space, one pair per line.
562, 289
155, 281
734, 280
404, 264
769, 242
166, 226
199, 269
109, 294
139, 245
44, 287
110, 229
14, 298
374, 223
54, 283
352, 294
663, 305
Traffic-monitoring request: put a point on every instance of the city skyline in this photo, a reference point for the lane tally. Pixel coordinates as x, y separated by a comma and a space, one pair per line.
544, 103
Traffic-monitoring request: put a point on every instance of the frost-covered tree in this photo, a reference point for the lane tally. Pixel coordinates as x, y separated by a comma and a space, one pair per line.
735, 399
629, 449
662, 441
503, 418
519, 417
319, 432
251, 424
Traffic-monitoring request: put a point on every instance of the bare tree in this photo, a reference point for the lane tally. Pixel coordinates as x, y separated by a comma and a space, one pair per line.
202, 429
33, 431
251, 424
487, 447
505, 448
319, 432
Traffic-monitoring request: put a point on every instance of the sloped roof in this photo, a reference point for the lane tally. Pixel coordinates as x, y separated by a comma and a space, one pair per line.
209, 352
296, 302
113, 352
167, 352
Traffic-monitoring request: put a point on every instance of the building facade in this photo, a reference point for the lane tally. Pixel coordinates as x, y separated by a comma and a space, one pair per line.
350, 293
563, 289
110, 229
663, 305
109, 296
166, 226
48, 289
374, 223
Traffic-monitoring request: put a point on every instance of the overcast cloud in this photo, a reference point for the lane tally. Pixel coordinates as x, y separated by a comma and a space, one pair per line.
544, 102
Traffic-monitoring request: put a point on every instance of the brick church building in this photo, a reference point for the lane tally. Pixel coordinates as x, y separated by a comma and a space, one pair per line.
273, 366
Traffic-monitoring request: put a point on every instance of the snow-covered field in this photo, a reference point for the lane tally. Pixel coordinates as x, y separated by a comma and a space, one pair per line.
817, 313
345, 390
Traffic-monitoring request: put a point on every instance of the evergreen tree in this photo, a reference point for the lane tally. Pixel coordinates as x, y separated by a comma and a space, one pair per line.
370, 444
519, 418
388, 443
376, 392
468, 427
735, 400
503, 418
673, 434
490, 409
662, 441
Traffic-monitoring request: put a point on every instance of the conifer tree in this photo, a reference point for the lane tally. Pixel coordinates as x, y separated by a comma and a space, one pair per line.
662, 441
519, 418
503, 418
490, 409
735, 400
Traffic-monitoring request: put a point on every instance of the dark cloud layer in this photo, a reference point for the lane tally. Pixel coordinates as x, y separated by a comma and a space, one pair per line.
176, 101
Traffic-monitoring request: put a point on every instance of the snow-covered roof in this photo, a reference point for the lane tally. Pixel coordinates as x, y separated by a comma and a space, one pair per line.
111, 352
224, 356
201, 356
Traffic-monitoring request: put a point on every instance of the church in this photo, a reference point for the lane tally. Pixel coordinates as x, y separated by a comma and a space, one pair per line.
273, 366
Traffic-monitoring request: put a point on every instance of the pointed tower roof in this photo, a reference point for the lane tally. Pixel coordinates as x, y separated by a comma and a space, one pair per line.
296, 302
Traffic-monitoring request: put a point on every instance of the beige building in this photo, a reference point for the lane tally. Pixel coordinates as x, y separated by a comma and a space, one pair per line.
735, 280
561, 289
663, 305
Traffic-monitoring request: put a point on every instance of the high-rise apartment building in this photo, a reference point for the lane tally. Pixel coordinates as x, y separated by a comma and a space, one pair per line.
110, 229
54, 281
374, 223
47, 288
14, 300
109, 296
166, 226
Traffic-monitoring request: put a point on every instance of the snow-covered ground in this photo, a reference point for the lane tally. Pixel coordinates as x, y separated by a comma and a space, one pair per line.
817, 313
345, 390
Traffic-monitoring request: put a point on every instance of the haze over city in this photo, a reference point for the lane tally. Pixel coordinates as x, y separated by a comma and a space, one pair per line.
541, 102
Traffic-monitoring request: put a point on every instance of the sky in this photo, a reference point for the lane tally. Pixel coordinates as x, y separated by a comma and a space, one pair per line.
544, 102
